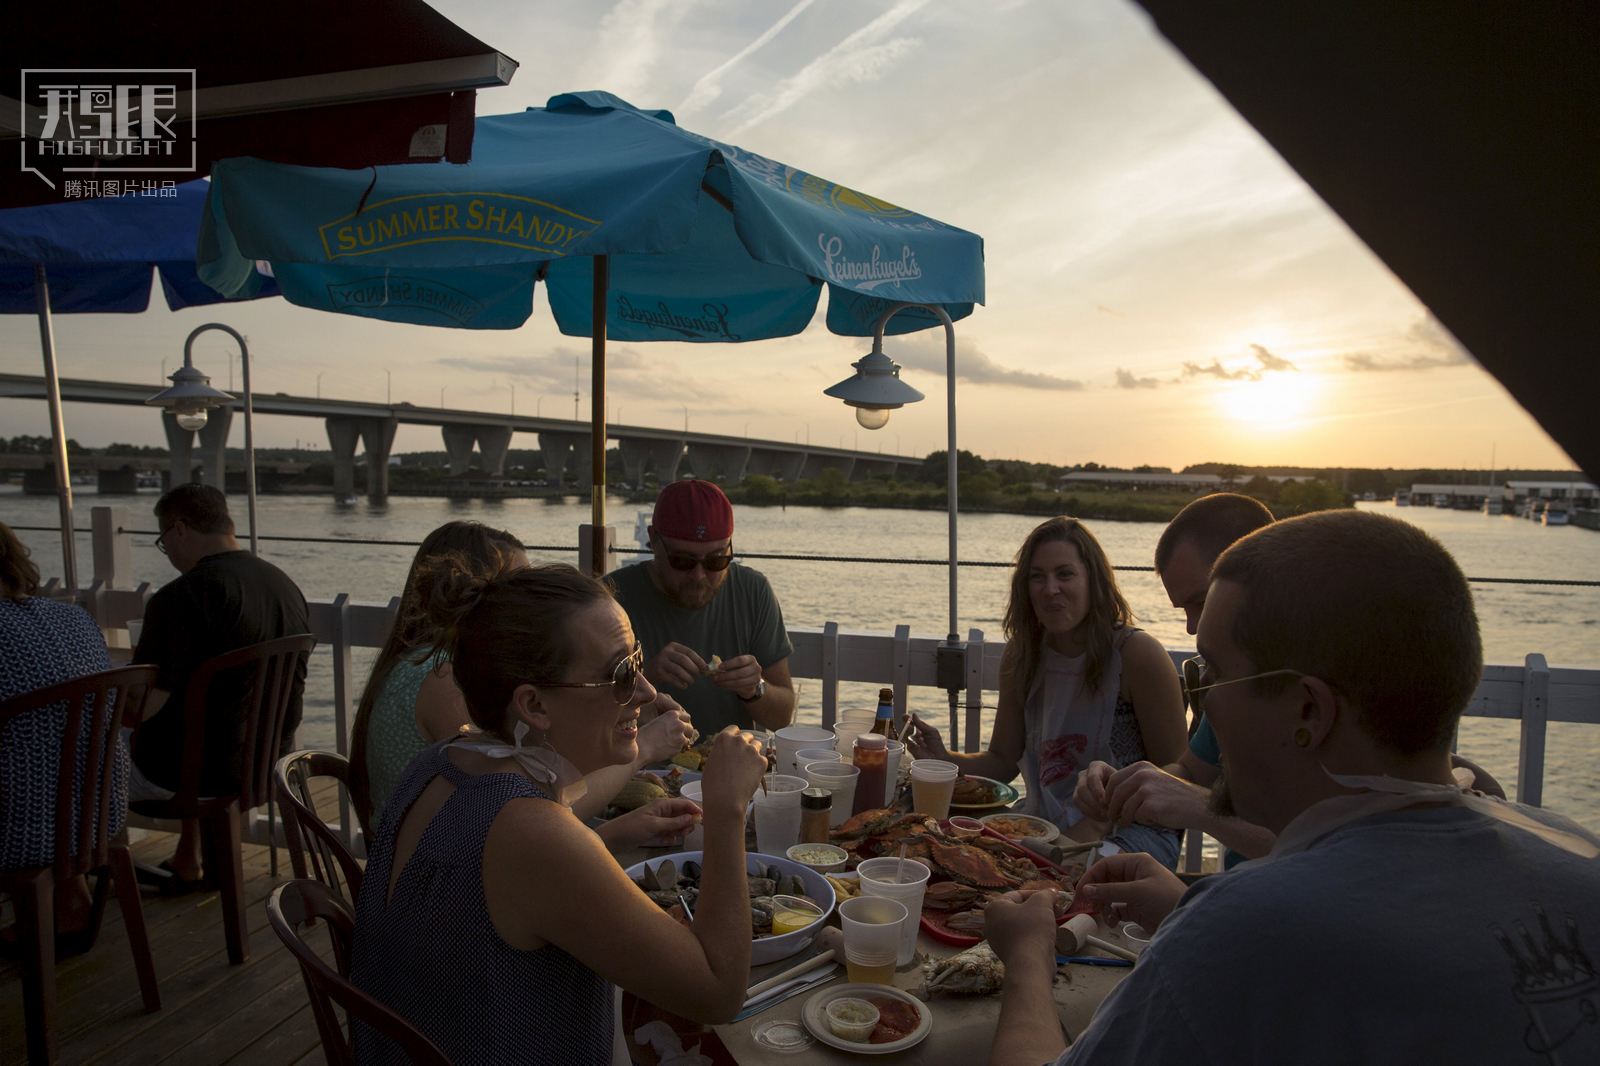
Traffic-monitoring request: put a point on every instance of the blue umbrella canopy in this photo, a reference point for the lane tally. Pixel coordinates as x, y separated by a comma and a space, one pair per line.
98, 253
704, 241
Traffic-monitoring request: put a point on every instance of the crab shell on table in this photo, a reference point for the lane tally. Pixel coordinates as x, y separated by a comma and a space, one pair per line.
976, 971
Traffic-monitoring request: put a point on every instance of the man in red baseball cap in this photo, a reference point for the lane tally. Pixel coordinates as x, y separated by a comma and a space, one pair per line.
712, 630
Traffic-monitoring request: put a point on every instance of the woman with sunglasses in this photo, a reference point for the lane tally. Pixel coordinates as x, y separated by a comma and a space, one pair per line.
493, 919
1078, 683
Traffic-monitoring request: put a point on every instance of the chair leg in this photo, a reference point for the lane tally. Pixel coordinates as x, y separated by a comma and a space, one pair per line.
36, 938
127, 885
222, 830
272, 836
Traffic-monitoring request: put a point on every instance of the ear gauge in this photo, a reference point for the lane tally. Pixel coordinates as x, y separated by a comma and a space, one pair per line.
1302, 738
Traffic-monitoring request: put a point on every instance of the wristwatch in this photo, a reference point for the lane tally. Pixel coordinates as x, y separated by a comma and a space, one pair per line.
761, 690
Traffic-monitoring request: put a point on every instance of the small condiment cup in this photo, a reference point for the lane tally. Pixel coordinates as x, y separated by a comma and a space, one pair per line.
837, 857
796, 904
852, 1019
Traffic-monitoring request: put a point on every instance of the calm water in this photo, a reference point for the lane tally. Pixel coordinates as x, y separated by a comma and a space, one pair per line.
1562, 623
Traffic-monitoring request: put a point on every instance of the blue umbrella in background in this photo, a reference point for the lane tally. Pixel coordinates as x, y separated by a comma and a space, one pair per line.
96, 256
640, 230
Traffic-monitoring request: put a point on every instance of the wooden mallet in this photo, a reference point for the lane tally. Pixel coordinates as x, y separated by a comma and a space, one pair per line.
830, 940
1077, 932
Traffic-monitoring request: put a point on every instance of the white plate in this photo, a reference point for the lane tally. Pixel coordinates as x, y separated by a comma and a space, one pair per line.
816, 1020
1045, 830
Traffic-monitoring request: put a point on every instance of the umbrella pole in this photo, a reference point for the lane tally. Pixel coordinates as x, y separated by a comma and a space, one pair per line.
597, 417
58, 436
249, 456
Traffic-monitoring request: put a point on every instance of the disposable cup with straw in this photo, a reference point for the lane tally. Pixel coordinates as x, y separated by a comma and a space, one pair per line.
902, 880
777, 814
891, 777
838, 778
871, 927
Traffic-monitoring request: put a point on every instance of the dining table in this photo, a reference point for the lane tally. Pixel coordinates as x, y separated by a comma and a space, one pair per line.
963, 1026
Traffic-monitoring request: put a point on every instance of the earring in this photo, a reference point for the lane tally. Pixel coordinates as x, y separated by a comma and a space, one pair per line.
1302, 738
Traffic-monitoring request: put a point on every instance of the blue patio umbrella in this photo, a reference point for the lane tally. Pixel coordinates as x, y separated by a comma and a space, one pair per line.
97, 256
639, 229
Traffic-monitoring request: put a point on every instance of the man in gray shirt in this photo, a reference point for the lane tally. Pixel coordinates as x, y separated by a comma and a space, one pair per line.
1397, 919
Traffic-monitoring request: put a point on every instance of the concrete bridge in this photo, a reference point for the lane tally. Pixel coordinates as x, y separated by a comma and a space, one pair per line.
564, 442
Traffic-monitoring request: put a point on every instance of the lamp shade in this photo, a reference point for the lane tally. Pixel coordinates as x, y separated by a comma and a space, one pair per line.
876, 384
191, 391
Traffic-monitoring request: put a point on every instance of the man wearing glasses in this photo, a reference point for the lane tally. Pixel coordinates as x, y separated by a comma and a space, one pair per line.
223, 599
712, 630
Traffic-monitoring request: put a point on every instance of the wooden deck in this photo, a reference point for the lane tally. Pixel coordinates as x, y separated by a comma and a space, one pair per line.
211, 1013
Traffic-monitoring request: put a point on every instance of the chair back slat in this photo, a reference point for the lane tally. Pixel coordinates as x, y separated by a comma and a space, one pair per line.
294, 905
315, 850
269, 670
96, 706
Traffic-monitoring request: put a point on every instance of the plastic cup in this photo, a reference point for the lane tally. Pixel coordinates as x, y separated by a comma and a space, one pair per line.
840, 779
879, 877
135, 628
777, 814
891, 777
695, 838
933, 783
872, 937
847, 731
792, 738
805, 756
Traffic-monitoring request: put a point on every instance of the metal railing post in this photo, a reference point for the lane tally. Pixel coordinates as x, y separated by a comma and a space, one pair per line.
1535, 715
830, 674
341, 704
974, 739
900, 673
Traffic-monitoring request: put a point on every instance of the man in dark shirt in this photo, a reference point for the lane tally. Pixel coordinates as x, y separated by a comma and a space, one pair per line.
712, 630
225, 599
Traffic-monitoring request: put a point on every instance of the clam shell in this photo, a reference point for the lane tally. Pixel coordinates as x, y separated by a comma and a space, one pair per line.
791, 885
648, 880
762, 886
667, 874
691, 870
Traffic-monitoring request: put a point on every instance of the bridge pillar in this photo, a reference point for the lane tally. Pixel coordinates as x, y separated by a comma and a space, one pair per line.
559, 448
378, 436
816, 463
493, 443
342, 436
782, 464
727, 461
121, 482
458, 441
214, 446
180, 445
639, 453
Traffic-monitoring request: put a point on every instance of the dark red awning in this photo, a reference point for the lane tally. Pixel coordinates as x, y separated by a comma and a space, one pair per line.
342, 83
1458, 141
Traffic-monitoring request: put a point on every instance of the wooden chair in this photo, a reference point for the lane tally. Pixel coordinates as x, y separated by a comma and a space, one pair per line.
97, 705
272, 666
315, 850
298, 903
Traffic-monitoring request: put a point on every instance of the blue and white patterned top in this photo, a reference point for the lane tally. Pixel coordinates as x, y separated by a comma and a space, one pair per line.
42, 643
431, 952
393, 738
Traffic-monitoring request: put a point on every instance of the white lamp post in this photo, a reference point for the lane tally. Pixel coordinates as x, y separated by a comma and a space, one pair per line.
191, 396
874, 391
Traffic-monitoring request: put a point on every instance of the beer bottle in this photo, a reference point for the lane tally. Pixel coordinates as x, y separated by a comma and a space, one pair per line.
883, 724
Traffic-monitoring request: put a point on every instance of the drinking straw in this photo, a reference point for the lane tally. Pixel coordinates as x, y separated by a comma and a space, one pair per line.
900, 871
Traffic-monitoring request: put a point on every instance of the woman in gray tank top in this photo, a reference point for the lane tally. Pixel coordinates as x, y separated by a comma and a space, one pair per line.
1079, 682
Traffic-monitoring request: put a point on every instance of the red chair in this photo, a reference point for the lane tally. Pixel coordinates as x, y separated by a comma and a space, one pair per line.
264, 709
315, 850
298, 903
97, 706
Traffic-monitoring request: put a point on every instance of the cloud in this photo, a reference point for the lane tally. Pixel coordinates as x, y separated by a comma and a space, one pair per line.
1269, 361
1430, 345
707, 90
858, 58
630, 39
1266, 359
974, 366
1126, 380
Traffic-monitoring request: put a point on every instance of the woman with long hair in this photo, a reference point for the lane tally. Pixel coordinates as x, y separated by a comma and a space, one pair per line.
1079, 682
494, 919
412, 701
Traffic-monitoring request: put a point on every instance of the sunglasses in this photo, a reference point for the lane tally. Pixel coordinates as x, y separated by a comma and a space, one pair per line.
1194, 675
713, 564
624, 678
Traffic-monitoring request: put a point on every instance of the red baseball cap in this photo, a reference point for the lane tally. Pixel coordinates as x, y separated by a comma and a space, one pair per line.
693, 510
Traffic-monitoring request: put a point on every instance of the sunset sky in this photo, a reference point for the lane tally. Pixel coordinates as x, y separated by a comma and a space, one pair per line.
1162, 287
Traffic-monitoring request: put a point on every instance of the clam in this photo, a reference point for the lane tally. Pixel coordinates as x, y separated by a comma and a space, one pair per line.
772, 873
762, 886
791, 885
648, 880
667, 874
761, 917
691, 870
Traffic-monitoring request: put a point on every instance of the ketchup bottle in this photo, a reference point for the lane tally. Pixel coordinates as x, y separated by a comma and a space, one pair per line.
871, 756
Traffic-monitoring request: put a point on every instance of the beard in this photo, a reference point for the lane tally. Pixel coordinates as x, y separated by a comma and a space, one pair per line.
1221, 800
